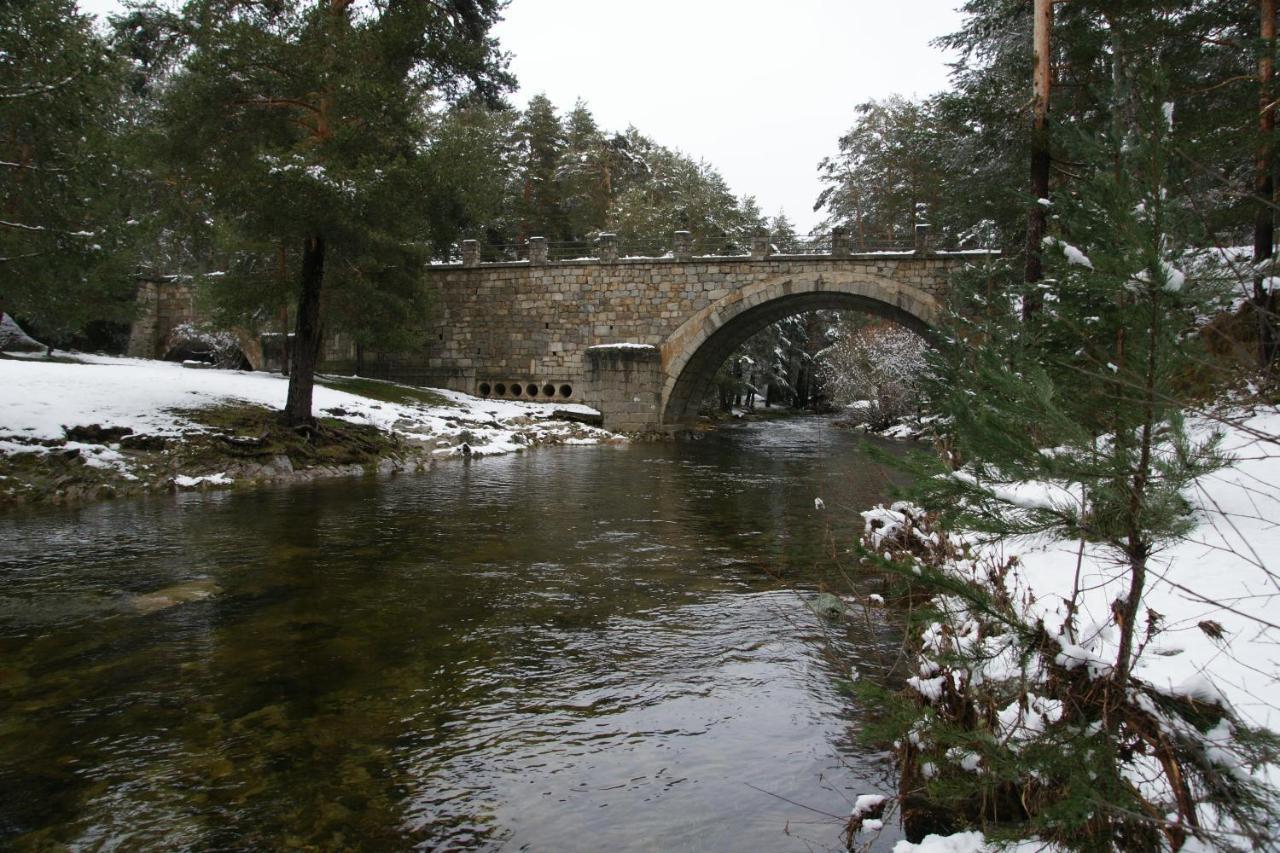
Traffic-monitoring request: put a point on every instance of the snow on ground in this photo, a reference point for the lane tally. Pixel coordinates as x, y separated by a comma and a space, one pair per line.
43, 396
1231, 268
969, 842
1225, 573
1216, 590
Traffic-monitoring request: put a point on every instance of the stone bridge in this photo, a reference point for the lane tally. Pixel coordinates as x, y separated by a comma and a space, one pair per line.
642, 338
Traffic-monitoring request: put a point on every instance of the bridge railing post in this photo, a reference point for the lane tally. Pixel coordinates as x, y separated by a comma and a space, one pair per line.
922, 238
607, 248
471, 253
759, 247
839, 243
537, 251
682, 246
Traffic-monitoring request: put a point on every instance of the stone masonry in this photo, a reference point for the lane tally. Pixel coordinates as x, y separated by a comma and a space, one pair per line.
528, 330
505, 329
162, 305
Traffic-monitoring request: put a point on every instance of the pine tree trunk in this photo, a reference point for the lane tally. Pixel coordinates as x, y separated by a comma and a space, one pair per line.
1264, 188
306, 343
1036, 215
285, 350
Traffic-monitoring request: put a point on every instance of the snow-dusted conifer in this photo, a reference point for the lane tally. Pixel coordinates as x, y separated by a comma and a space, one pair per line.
303, 123
1071, 426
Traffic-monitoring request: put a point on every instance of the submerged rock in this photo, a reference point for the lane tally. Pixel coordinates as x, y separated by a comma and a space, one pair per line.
181, 593
828, 606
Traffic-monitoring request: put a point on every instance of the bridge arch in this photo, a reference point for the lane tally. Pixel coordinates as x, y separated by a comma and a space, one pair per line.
694, 352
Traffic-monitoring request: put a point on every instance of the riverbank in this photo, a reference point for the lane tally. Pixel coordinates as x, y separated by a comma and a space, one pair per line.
1204, 677
80, 427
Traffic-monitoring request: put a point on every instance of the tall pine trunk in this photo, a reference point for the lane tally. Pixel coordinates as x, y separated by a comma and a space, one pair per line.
1264, 187
306, 343
1042, 24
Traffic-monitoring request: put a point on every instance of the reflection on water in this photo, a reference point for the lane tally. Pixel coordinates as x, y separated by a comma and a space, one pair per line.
572, 649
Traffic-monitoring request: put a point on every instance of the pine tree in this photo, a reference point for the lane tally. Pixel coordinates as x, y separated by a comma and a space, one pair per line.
303, 122
781, 232
889, 166
542, 145
1070, 425
586, 175
62, 228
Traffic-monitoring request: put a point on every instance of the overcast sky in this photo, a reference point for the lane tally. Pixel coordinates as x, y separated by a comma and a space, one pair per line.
761, 90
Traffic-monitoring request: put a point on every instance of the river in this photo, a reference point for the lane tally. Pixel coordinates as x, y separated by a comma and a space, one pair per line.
580, 648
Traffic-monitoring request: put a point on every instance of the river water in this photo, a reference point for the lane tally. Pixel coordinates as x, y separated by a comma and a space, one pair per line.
581, 648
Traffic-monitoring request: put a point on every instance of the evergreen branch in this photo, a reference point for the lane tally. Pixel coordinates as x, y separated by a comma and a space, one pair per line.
21, 257
13, 165
1205, 90
273, 103
38, 90
18, 226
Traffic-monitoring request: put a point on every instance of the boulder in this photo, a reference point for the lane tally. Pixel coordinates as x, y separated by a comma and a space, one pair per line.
828, 606
14, 339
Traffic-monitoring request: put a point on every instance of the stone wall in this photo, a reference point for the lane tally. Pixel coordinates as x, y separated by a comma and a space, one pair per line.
162, 305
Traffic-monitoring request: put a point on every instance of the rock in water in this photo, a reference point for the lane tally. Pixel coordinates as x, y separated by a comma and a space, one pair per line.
181, 593
827, 605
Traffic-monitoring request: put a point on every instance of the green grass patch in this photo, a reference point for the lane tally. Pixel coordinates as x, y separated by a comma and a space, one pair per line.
386, 392
255, 432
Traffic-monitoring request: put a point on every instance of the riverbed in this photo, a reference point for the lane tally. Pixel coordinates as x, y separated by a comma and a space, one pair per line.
579, 648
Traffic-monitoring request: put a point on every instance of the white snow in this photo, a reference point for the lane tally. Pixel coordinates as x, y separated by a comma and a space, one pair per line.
1173, 279
42, 397
1216, 590
1074, 256
867, 803
631, 346
185, 482
961, 842
1224, 571
970, 842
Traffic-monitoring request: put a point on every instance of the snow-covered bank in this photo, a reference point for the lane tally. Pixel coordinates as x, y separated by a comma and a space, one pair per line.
132, 412
1208, 631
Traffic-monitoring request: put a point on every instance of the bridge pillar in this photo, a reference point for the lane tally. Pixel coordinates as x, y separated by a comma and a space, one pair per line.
537, 251
682, 246
471, 253
759, 247
922, 238
625, 384
608, 248
839, 243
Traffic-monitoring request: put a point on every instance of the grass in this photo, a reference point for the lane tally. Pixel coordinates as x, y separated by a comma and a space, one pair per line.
386, 392
250, 432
